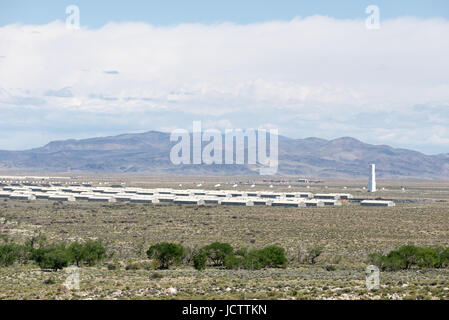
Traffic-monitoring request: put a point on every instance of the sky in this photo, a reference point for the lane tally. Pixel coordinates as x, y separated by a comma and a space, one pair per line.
306, 68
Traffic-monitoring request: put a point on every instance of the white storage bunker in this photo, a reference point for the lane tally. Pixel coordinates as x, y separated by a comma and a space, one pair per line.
270, 195
22, 197
345, 196
164, 198
144, 200
5, 194
123, 197
327, 196
188, 200
262, 202
288, 203
314, 203
211, 200
237, 202
331, 202
57, 197
101, 199
377, 203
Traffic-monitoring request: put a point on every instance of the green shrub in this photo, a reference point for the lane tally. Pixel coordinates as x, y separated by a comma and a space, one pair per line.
9, 253
408, 256
90, 252
217, 252
93, 252
444, 257
268, 257
199, 260
166, 254
428, 258
76, 252
272, 257
233, 262
52, 257
393, 262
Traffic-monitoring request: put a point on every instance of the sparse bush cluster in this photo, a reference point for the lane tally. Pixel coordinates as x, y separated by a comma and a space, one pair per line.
219, 254
268, 257
55, 256
410, 256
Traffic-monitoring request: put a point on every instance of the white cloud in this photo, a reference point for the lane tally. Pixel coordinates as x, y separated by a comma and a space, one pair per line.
316, 69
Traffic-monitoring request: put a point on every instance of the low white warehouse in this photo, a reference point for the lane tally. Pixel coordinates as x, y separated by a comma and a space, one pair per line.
287, 203
22, 197
188, 200
377, 203
314, 203
101, 199
57, 197
237, 202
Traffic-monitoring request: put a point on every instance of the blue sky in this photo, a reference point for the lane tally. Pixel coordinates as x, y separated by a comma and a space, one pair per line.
168, 12
306, 68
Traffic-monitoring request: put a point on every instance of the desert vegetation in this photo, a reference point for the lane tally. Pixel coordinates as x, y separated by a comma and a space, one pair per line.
229, 252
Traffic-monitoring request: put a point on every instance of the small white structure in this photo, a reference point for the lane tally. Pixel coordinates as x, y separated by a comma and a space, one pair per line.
372, 178
377, 203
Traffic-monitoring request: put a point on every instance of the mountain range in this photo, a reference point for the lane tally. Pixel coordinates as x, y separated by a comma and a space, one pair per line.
149, 152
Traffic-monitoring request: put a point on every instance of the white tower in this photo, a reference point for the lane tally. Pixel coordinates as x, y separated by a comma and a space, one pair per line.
372, 178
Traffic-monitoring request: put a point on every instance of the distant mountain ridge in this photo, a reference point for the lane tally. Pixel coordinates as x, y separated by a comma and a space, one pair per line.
149, 153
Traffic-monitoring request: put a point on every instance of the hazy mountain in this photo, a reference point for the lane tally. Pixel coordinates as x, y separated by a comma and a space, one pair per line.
149, 153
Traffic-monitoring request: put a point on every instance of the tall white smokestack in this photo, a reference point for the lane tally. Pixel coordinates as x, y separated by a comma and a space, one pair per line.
372, 178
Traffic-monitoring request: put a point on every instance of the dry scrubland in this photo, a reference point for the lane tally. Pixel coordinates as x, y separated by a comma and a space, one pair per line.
348, 233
